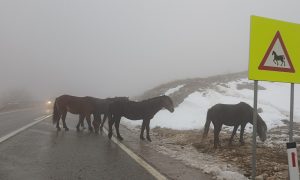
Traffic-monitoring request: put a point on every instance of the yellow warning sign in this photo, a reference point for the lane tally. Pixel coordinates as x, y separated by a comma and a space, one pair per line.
274, 50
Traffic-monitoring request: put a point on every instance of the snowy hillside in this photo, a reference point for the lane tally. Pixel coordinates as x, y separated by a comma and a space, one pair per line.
191, 113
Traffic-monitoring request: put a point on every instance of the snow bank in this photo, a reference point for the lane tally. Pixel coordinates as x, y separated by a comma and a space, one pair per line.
191, 113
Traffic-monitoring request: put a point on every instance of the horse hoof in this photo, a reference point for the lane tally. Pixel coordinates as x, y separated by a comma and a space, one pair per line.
217, 145
149, 139
120, 138
142, 138
66, 129
109, 135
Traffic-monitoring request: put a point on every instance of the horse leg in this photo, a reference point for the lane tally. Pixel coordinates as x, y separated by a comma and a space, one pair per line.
81, 118
57, 123
217, 130
103, 121
148, 129
82, 123
117, 123
88, 119
232, 135
64, 121
142, 130
96, 122
110, 124
242, 134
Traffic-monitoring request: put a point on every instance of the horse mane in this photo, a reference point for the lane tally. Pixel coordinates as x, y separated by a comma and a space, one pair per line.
155, 98
252, 109
261, 121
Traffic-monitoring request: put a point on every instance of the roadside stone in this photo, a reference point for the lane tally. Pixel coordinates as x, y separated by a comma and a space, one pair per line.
276, 168
271, 178
260, 177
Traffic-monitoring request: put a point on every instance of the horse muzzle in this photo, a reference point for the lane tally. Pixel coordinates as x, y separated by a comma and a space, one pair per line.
263, 139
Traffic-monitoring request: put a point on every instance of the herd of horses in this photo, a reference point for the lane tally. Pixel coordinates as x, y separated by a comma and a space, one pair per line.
111, 108
115, 108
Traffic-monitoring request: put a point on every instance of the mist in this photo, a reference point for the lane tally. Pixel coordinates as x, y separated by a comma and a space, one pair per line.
122, 48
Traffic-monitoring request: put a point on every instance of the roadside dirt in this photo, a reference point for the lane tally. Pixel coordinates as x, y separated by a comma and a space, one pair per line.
271, 155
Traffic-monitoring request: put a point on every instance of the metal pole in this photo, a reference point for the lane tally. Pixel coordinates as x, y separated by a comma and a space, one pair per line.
254, 131
291, 113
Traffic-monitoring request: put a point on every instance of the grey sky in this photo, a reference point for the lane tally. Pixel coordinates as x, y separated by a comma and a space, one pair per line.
107, 48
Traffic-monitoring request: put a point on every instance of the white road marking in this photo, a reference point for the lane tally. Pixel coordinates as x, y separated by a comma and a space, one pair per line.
139, 160
37, 120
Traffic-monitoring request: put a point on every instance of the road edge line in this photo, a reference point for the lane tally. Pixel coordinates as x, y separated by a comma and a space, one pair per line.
37, 120
138, 159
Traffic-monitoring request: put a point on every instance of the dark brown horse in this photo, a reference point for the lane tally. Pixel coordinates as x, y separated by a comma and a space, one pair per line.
102, 107
233, 115
109, 101
83, 106
144, 110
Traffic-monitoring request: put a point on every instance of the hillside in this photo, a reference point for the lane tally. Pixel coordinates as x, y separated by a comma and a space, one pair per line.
179, 134
196, 84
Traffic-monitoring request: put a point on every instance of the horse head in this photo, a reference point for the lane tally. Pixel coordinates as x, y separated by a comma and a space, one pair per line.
168, 103
261, 128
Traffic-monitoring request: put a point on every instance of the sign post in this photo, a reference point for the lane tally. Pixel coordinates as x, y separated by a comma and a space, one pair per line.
275, 56
291, 113
254, 130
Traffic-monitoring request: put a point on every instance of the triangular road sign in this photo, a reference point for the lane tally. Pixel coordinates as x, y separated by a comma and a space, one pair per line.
277, 57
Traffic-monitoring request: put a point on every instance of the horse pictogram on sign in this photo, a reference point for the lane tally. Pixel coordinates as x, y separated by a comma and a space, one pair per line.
277, 57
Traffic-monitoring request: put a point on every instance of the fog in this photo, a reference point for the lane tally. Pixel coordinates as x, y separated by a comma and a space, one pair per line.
113, 48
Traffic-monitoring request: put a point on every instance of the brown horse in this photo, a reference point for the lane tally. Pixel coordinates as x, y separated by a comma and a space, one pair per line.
83, 106
102, 107
233, 115
144, 110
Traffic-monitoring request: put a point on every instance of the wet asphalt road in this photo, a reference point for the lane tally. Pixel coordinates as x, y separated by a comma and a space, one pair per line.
13, 120
41, 152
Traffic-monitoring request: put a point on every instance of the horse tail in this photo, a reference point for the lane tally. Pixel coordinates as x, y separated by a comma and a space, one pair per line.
207, 124
56, 115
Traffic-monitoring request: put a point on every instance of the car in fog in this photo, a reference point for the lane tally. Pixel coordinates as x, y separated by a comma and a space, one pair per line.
49, 104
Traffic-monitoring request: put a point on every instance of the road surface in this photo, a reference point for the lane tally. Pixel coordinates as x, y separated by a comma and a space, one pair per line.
38, 151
